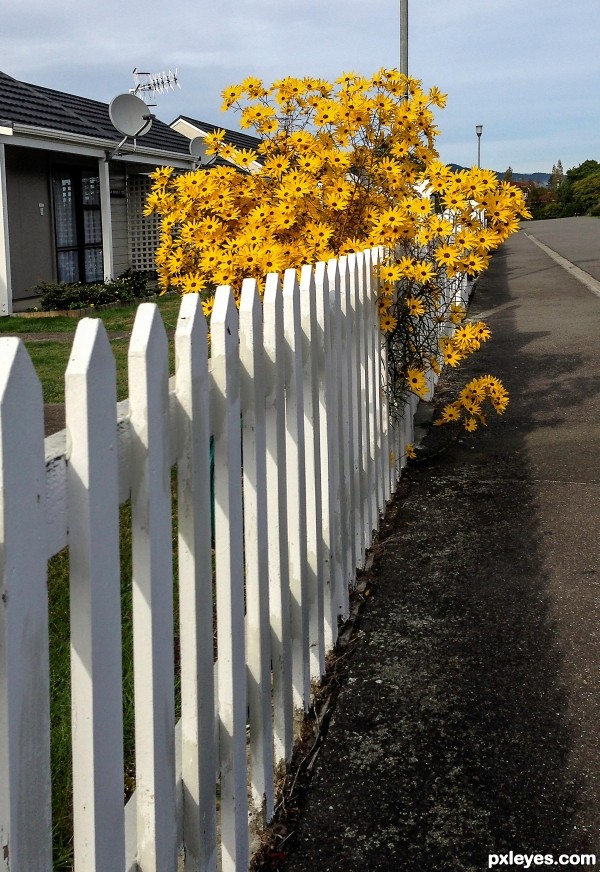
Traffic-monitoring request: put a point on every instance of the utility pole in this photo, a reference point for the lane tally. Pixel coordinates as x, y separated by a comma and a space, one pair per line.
404, 37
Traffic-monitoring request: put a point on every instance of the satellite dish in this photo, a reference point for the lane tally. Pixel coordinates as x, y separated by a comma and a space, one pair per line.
198, 151
130, 115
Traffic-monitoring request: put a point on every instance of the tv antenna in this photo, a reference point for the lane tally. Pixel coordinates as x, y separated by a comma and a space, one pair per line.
153, 83
131, 117
198, 152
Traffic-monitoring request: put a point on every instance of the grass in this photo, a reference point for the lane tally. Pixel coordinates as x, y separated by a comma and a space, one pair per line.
50, 357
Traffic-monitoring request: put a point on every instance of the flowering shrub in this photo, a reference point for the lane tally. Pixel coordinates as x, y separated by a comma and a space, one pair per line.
343, 167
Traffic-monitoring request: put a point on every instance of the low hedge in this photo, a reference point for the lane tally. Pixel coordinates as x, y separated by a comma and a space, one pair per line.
128, 287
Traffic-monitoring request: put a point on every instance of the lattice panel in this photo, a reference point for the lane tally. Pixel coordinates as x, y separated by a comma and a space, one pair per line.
143, 232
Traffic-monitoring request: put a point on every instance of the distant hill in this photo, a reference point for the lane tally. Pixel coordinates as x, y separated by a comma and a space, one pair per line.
541, 179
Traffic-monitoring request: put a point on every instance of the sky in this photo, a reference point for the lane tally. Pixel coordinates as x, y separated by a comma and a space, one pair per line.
527, 70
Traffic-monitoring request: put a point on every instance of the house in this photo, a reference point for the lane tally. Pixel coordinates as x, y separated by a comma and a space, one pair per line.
71, 200
192, 128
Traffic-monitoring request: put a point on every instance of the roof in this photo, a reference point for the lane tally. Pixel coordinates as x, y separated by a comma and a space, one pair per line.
54, 110
238, 140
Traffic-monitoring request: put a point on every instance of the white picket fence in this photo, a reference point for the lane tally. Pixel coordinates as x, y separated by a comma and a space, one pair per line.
294, 387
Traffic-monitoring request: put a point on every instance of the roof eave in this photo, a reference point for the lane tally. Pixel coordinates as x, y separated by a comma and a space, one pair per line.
45, 135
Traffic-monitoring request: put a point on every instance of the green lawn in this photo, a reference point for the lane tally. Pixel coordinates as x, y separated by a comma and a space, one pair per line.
50, 358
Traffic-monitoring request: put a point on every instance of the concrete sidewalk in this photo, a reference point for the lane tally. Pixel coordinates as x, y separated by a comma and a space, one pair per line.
468, 724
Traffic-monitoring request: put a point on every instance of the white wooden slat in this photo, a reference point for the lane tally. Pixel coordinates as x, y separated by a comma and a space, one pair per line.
348, 419
229, 565
25, 825
312, 460
355, 348
296, 490
95, 602
388, 457
152, 592
373, 381
258, 629
381, 452
328, 417
365, 393
198, 748
340, 459
277, 532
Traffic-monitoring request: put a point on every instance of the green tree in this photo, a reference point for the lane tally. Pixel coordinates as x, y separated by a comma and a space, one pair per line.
586, 194
508, 175
575, 198
556, 177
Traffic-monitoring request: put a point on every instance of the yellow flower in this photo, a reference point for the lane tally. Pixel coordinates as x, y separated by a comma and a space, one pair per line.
207, 305
231, 95
451, 356
390, 272
424, 272
470, 424
409, 450
192, 283
450, 413
416, 382
415, 306
387, 323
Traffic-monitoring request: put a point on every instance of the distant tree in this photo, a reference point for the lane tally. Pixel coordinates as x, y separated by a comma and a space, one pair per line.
556, 177
586, 195
538, 198
508, 175
575, 198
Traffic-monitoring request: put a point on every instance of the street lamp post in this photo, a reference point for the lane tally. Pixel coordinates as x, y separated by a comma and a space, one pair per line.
479, 131
404, 37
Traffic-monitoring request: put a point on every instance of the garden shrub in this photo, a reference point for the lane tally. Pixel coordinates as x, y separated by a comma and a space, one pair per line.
127, 288
343, 167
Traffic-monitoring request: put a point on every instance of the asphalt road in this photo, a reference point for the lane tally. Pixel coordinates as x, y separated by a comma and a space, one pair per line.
468, 723
576, 239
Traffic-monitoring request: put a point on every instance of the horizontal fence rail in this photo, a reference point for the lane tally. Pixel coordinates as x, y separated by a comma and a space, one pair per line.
292, 408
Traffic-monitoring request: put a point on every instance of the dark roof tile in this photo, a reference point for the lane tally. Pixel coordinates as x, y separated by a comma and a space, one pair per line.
55, 110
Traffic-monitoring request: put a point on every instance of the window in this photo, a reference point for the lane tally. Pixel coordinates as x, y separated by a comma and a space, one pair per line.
78, 224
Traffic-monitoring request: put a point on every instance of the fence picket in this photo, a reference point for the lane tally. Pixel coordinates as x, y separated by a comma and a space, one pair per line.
258, 641
25, 825
296, 490
380, 469
195, 589
277, 532
152, 593
342, 529
347, 424
95, 601
229, 565
328, 389
355, 344
365, 398
312, 459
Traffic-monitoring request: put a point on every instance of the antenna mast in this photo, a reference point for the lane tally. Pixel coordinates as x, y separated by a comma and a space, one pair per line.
151, 84
404, 37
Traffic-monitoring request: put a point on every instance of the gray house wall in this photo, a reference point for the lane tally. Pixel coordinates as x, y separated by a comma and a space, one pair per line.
118, 209
31, 219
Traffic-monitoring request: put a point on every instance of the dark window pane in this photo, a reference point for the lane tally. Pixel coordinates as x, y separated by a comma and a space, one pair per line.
94, 267
68, 267
92, 226
64, 204
90, 190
